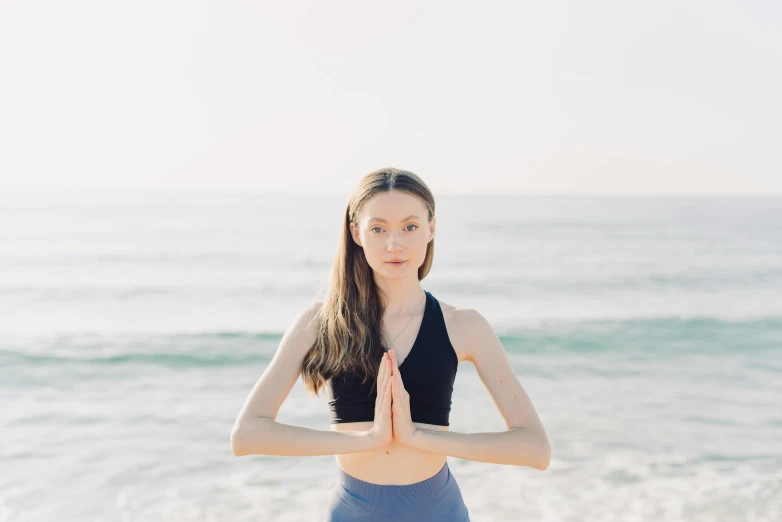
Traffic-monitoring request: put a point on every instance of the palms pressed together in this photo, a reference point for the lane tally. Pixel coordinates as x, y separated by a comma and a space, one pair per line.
392, 407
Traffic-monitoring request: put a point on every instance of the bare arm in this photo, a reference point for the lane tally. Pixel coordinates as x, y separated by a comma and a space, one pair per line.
264, 436
256, 432
516, 446
525, 442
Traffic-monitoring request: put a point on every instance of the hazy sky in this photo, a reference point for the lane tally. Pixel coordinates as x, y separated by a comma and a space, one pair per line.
535, 98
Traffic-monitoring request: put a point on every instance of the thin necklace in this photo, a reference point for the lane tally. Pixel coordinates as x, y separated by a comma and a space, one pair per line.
388, 345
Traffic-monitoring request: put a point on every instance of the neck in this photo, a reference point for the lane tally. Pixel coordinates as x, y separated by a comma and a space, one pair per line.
400, 298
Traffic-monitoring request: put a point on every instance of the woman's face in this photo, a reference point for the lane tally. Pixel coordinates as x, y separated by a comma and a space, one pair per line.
394, 225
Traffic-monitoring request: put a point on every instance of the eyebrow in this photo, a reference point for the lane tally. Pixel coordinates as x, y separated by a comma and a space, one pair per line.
384, 221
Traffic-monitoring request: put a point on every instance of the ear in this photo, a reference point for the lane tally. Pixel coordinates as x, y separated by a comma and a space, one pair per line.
432, 226
354, 233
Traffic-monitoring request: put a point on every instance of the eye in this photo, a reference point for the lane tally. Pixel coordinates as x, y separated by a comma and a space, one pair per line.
416, 226
373, 228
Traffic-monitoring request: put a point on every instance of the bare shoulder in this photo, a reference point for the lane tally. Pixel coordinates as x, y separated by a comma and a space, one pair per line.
462, 325
298, 338
306, 323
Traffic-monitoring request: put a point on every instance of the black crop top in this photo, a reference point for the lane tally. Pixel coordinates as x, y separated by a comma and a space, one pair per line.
428, 373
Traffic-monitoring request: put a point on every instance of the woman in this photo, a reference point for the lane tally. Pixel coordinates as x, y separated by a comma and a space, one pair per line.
387, 351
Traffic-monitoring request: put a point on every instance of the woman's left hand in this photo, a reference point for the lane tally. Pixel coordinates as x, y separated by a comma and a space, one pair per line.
403, 426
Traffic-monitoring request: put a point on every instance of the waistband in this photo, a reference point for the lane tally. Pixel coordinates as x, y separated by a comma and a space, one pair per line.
430, 487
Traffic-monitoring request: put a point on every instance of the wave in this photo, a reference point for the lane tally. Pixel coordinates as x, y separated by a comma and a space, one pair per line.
173, 360
505, 281
671, 336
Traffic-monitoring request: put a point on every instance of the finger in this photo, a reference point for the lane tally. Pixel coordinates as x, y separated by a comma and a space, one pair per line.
400, 386
385, 375
382, 367
401, 383
382, 379
386, 400
389, 377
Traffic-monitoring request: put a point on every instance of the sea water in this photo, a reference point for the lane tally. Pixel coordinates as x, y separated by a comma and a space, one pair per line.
646, 331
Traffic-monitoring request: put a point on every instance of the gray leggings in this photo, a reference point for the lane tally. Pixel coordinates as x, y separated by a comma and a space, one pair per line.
436, 499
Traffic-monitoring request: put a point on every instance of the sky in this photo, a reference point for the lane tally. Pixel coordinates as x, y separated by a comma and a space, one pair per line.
537, 98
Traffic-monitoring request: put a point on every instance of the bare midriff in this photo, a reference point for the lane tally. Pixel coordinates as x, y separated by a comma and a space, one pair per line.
397, 464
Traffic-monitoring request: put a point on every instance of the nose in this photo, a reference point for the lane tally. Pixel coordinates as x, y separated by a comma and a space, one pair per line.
393, 242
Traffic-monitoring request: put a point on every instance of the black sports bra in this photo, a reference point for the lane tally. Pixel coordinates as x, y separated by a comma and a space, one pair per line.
428, 373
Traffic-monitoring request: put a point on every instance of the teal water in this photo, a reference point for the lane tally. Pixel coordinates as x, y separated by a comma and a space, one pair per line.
647, 332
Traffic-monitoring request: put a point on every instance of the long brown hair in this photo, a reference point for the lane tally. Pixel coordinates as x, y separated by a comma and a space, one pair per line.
350, 318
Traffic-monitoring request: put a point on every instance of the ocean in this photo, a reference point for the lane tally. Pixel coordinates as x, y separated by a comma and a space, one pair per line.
646, 331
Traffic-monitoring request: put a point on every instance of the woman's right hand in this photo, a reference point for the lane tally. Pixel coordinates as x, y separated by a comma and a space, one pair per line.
382, 432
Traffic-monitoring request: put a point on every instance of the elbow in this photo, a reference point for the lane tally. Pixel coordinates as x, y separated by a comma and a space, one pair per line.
544, 455
240, 439
247, 437
236, 443
536, 452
